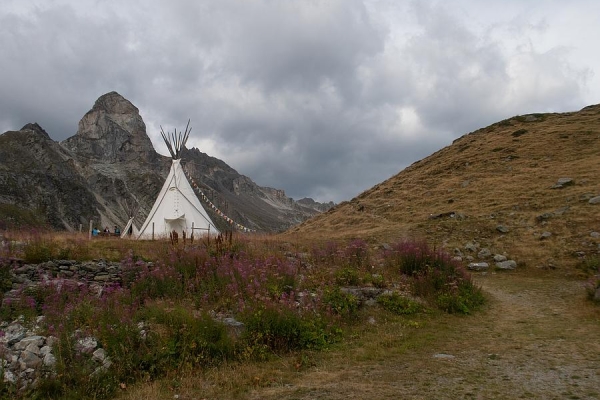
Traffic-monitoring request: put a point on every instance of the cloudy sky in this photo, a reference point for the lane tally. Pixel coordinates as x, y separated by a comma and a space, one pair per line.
321, 98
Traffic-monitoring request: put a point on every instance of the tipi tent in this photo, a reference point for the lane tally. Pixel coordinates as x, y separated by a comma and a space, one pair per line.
177, 207
130, 230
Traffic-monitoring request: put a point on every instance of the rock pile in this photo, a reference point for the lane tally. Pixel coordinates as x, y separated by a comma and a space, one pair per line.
25, 356
484, 254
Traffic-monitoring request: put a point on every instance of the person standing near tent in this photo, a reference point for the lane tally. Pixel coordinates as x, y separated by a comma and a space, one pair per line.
117, 230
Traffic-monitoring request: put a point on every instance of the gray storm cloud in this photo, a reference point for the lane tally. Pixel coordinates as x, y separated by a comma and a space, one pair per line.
321, 99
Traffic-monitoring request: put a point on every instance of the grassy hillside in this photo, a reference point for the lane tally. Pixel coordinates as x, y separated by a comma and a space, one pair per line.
503, 174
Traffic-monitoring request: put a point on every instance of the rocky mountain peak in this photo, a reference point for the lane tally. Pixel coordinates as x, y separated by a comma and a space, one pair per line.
114, 103
112, 131
35, 127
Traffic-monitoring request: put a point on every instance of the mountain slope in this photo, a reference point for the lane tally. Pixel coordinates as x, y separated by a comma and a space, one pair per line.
497, 187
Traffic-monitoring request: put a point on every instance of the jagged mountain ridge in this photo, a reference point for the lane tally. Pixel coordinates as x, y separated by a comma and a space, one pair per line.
110, 167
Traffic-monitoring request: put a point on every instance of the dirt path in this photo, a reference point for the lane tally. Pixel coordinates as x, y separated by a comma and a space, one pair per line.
538, 338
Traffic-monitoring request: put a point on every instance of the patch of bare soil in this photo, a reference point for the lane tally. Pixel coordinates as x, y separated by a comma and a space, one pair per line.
538, 338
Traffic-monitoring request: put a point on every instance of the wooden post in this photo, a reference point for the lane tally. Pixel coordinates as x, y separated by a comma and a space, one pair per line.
80, 227
153, 231
90, 232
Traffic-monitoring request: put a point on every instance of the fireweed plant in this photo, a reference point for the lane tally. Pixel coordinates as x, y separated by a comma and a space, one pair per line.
182, 306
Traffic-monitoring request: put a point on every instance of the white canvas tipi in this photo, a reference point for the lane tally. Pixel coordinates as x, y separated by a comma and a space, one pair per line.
130, 231
177, 207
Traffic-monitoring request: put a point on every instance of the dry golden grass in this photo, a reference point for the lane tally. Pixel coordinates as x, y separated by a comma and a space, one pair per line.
501, 174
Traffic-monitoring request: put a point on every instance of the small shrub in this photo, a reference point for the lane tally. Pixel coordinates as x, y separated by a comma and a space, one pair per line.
590, 265
519, 132
464, 298
162, 281
281, 330
347, 276
377, 280
180, 338
398, 304
38, 251
341, 303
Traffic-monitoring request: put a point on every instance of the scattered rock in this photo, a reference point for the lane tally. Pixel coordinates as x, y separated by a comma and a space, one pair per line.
595, 235
594, 200
471, 246
562, 182
499, 258
543, 217
479, 266
545, 235
363, 294
507, 265
561, 211
443, 356
99, 355
29, 360
502, 229
86, 344
484, 253
49, 360
449, 214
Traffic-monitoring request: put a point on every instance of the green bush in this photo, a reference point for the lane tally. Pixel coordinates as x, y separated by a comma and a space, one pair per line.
398, 304
590, 265
281, 330
178, 338
462, 299
347, 276
38, 251
341, 303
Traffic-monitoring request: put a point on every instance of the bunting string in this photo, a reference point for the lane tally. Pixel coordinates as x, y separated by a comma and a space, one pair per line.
220, 213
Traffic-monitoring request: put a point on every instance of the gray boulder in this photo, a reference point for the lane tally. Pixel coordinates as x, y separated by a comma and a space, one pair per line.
507, 265
499, 258
478, 266
562, 182
484, 253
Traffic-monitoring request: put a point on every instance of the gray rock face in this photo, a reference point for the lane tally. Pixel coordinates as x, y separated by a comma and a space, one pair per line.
112, 131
